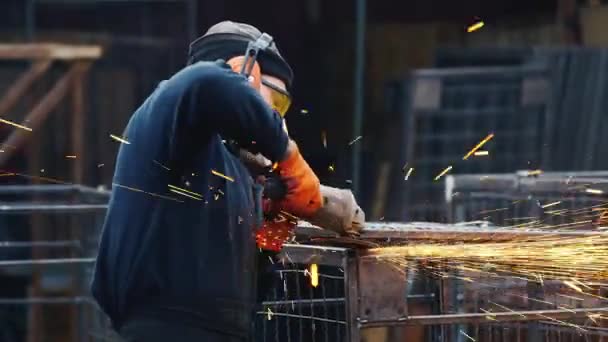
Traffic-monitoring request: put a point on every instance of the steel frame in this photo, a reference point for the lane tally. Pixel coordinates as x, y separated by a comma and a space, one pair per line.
376, 293
75, 200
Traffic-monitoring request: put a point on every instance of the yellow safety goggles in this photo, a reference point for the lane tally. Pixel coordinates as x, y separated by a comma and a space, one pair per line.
281, 100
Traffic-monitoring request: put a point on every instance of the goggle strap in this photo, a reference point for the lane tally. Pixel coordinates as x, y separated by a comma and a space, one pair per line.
251, 54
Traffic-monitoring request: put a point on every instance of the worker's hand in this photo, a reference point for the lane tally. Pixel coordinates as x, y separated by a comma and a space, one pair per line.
340, 212
303, 197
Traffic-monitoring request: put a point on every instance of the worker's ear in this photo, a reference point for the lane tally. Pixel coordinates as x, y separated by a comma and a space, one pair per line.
255, 77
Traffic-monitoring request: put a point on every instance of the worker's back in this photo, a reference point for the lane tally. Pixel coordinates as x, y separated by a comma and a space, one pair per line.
178, 235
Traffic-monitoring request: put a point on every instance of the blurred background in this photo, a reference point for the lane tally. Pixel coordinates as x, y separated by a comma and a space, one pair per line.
387, 95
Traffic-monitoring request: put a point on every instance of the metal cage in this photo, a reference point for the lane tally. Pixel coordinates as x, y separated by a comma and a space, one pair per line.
558, 200
451, 110
50, 235
364, 296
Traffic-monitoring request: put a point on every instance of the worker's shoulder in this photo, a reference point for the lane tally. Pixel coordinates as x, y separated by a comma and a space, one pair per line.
202, 71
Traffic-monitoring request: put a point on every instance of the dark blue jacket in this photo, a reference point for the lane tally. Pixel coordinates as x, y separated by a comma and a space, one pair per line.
159, 245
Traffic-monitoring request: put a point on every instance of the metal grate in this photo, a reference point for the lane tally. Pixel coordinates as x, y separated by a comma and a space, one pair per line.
579, 86
294, 310
451, 110
50, 238
555, 200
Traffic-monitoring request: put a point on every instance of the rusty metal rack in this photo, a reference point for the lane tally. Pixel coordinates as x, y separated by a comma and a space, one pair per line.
52, 235
508, 199
360, 298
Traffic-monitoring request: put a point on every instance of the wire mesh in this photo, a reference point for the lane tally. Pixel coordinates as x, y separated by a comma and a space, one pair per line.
551, 200
49, 242
519, 332
451, 110
293, 310
554, 201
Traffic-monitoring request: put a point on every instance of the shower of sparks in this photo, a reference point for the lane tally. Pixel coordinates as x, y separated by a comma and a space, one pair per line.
46, 179
475, 26
534, 172
574, 260
594, 191
314, 275
569, 297
185, 192
71, 157
145, 192
478, 146
550, 204
161, 165
467, 336
219, 174
572, 285
446, 170
354, 141
119, 139
481, 153
324, 138
504, 308
15, 125
409, 173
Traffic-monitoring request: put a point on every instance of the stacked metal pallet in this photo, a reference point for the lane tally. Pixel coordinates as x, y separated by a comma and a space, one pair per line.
451, 110
579, 92
53, 255
552, 118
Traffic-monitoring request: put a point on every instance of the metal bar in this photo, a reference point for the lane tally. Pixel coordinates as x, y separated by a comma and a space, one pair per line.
22, 84
302, 301
304, 254
30, 19
49, 51
192, 9
46, 261
358, 91
487, 72
480, 318
78, 123
39, 113
9, 208
351, 292
51, 189
28, 244
44, 300
451, 232
312, 318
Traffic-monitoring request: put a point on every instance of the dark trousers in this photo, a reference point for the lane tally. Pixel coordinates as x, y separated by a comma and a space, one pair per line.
147, 329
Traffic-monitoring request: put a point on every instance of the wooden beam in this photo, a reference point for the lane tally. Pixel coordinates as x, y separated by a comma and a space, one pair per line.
12, 95
568, 21
78, 123
39, 113
49, 51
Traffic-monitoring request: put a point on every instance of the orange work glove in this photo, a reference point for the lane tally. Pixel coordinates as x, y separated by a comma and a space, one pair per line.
303, 196
274, 234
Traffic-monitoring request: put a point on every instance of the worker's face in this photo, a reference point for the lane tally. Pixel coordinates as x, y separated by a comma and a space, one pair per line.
274, 92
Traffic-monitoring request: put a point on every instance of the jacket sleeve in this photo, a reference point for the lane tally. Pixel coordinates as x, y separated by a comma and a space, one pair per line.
212, 99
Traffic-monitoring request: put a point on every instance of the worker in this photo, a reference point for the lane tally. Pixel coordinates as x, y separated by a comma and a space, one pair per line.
177, 254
